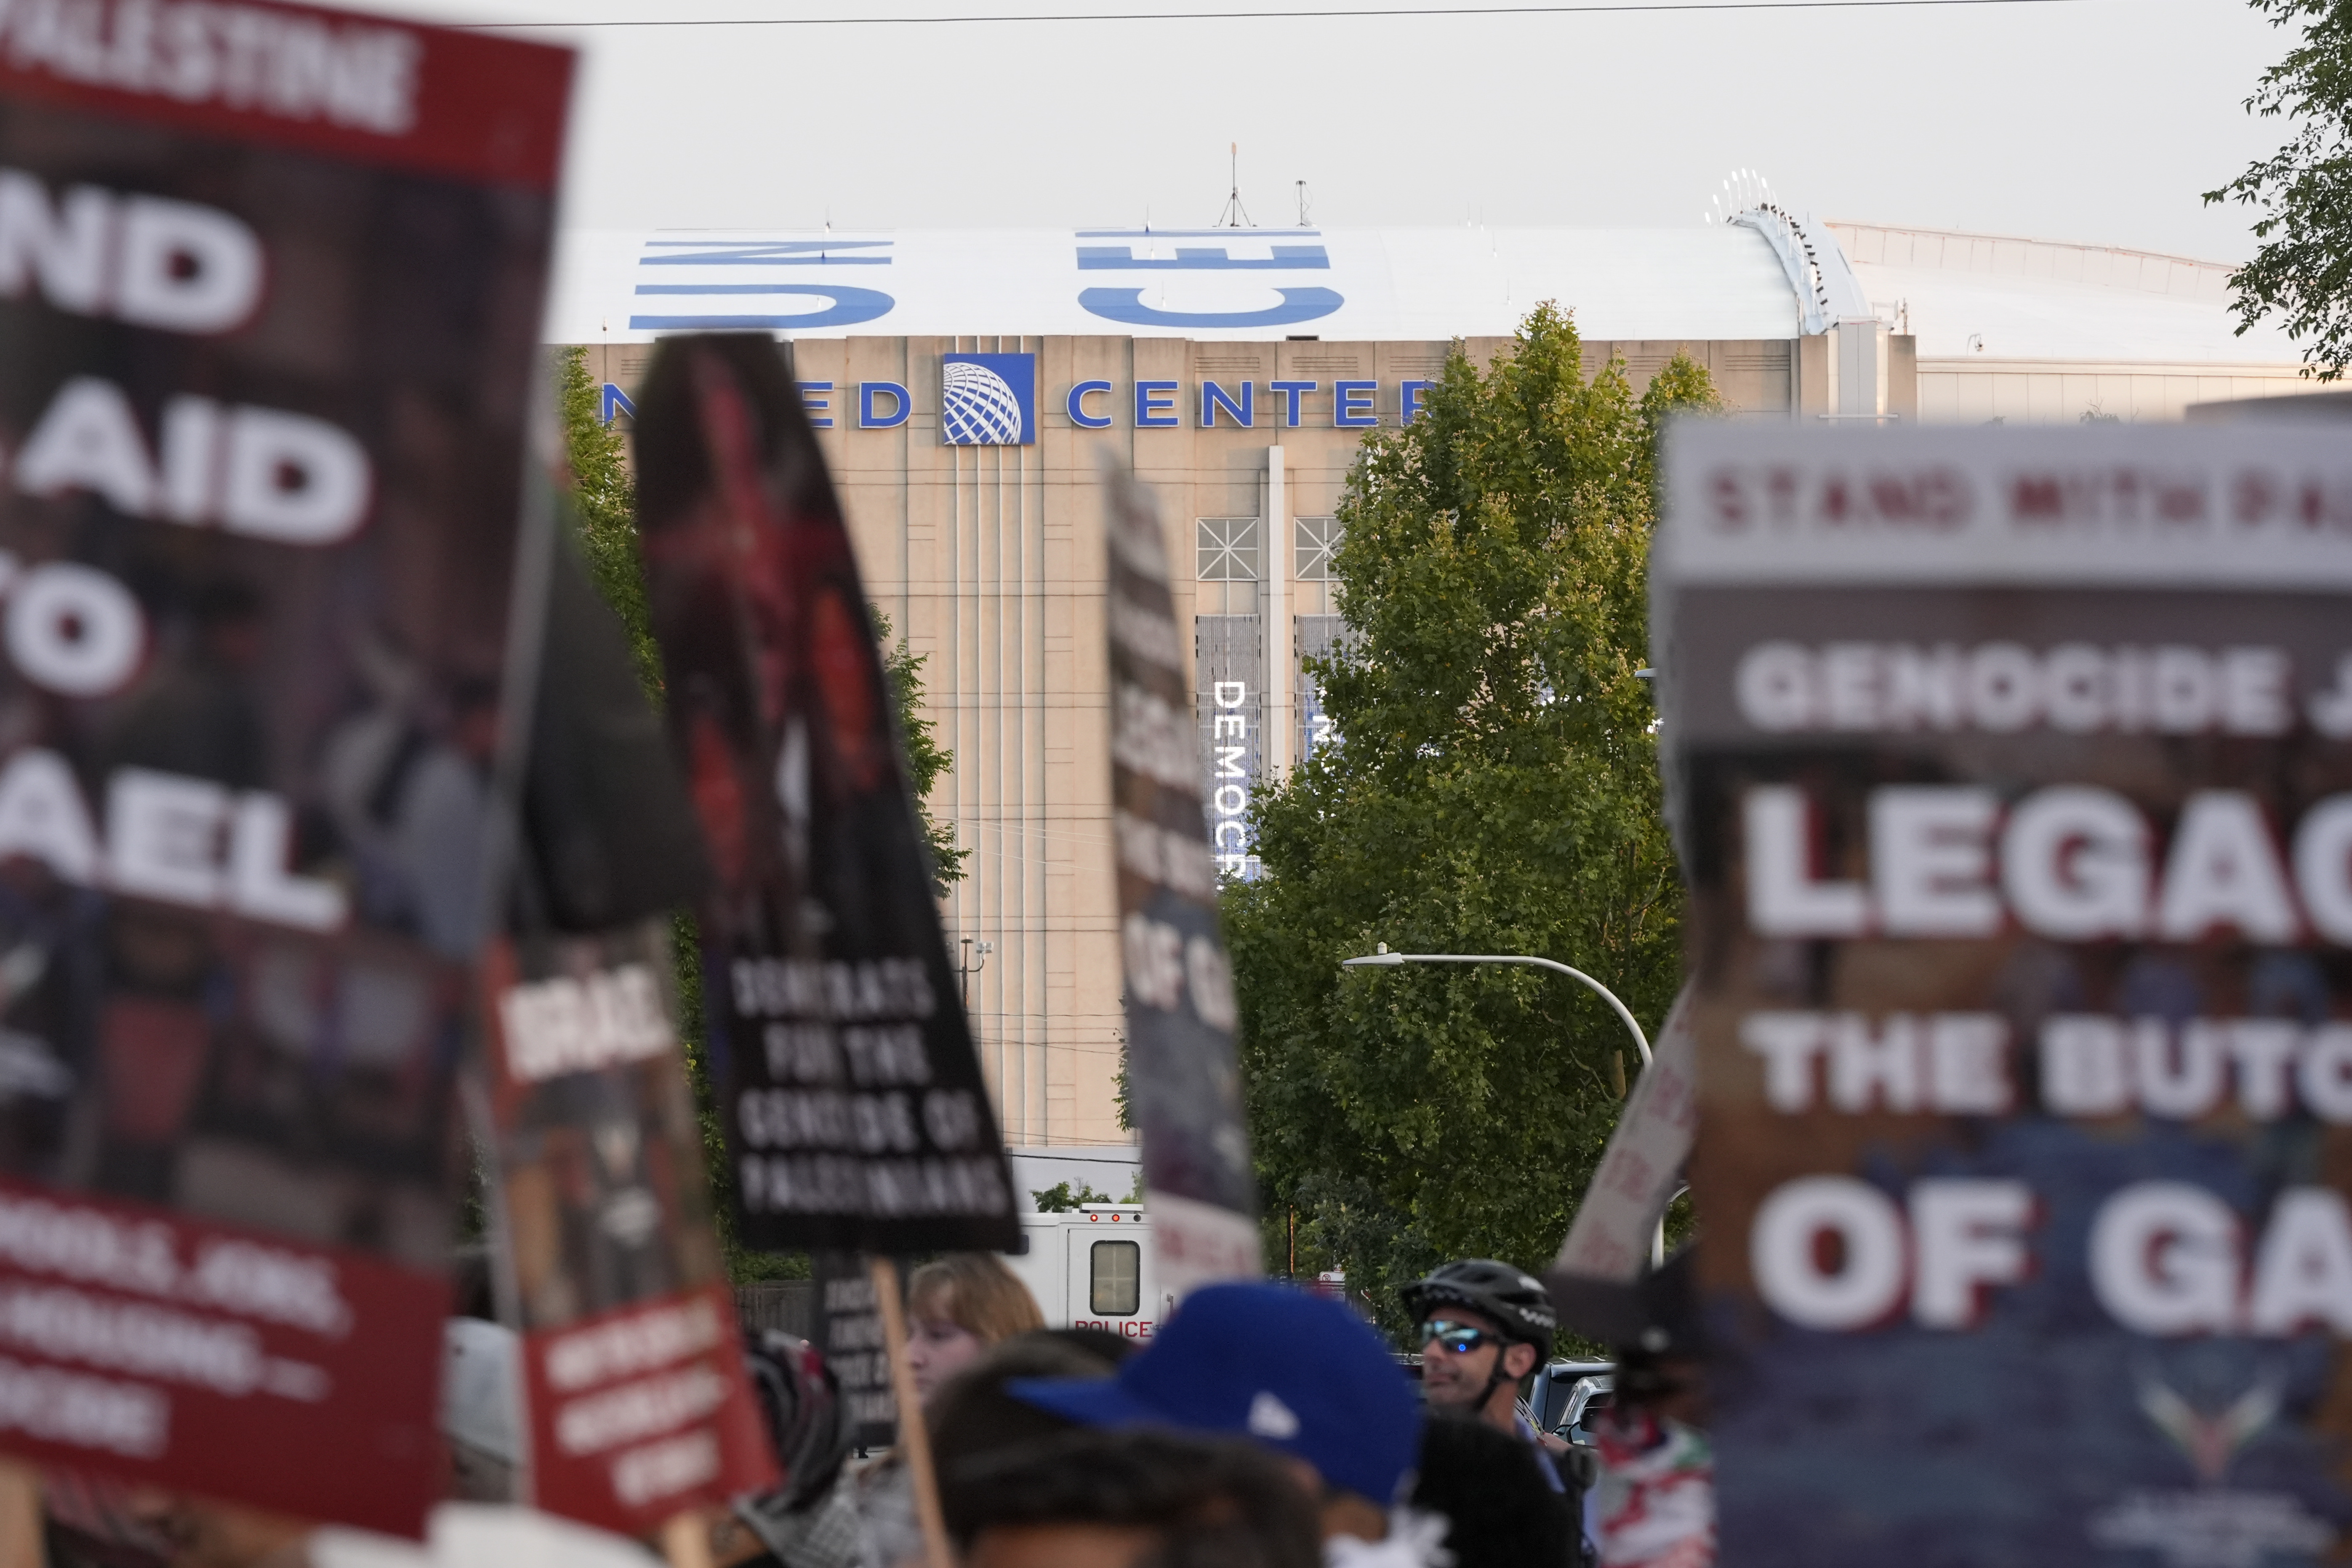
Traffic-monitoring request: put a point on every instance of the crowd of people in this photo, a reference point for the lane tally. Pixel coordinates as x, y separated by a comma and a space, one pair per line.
1263, 1426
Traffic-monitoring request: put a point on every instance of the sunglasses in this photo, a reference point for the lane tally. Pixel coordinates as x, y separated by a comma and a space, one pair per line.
1459, 1339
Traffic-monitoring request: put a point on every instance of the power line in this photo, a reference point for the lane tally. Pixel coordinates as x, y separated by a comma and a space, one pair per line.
1253, 15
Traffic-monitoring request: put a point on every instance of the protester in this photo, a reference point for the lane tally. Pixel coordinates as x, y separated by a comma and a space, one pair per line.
1485, 1327
811, 1520
975, 1414
1500, 1511
1293, 1373
1130, 1500
957, 1308
1654, 1505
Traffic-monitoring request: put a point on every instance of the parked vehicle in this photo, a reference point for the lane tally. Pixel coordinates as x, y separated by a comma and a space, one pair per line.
1092, 1268
1567, 1393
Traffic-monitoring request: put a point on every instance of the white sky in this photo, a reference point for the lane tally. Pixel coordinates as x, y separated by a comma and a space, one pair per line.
2097, 121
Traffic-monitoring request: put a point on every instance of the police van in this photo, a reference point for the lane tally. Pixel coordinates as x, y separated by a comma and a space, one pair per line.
1092, 1268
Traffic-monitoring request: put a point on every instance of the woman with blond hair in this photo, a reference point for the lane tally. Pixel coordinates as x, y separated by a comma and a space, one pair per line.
957, 1308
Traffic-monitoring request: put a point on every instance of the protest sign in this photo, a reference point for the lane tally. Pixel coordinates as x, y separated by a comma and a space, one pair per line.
849, 1333
637, 1408
632, 1356
1182, 1081
2012, 772
269, 287
1612, 1237
855, 1111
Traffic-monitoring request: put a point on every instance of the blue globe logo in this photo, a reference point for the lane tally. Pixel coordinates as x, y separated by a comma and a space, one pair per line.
978, 407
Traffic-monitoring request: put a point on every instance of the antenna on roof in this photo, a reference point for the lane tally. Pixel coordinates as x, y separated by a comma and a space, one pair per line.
1305, 208
1235, 216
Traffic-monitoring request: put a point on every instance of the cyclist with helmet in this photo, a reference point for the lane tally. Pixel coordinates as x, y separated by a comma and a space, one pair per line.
1483, 1327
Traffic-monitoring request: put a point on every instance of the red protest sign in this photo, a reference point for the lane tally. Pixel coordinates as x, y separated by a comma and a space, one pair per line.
633, 1361
269, 285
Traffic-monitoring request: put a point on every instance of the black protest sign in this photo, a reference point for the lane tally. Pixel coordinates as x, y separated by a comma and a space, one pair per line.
1182, 1081
856, 1114
849, 1333
2012, 774
270, 290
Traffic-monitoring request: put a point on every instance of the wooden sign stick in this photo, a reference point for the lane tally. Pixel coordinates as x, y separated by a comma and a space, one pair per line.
686, 1541
20, 1516
914, 1437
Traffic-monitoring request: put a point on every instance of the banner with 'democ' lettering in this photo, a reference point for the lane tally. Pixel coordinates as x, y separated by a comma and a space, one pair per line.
2012, 772
1184, 1080
269, 285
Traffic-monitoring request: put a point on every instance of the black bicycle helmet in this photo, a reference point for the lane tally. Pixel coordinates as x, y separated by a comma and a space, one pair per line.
1513, 1299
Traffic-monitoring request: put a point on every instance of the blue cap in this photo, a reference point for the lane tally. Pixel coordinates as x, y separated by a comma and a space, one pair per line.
1293, 1372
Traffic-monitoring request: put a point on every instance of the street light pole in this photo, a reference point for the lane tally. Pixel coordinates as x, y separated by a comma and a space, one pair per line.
1384, 959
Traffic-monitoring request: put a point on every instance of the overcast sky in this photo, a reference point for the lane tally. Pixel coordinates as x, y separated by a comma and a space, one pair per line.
2095, 121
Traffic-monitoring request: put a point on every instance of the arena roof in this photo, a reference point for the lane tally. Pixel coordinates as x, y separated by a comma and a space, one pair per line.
1962, 295
1363, 285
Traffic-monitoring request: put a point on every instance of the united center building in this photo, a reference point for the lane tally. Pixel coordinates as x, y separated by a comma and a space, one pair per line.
1237, 371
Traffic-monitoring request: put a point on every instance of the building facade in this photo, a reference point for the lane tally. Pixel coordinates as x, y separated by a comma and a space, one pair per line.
1238, 373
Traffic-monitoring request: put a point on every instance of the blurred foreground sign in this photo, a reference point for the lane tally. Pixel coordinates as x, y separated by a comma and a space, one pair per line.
2012, 774
856, 1114
633, 1363
1184, 1082
270, 291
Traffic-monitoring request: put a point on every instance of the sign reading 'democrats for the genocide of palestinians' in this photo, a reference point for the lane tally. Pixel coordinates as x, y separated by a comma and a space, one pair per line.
269, 285
2012, 774
1182, 1079
855, 1113
632, 1361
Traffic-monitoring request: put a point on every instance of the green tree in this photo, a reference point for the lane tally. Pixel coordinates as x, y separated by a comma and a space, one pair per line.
2302, 270
604, 507
1493, 789
926, 757
1062, 1198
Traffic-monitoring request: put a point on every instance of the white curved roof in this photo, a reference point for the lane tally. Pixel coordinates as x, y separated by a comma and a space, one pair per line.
2007, 299
1361, 285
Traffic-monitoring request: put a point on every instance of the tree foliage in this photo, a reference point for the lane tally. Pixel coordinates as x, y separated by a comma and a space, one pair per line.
1063, 1198
2302, 270
1494, 790
926, 757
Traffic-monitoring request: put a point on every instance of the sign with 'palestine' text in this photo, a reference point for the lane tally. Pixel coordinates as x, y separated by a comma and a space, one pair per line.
2011, 770
270, 280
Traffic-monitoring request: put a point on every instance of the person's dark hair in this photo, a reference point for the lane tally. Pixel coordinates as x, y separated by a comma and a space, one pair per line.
1500, 1511
972, 1415
1106, 1343
1213, 1504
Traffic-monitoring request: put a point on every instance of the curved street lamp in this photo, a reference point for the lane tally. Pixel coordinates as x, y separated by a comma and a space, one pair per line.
1385, 959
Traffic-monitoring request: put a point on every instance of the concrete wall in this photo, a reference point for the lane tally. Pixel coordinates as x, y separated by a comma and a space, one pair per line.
1979, 389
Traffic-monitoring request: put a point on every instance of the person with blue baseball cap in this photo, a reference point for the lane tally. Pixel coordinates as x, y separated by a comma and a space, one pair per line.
1296, 1373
